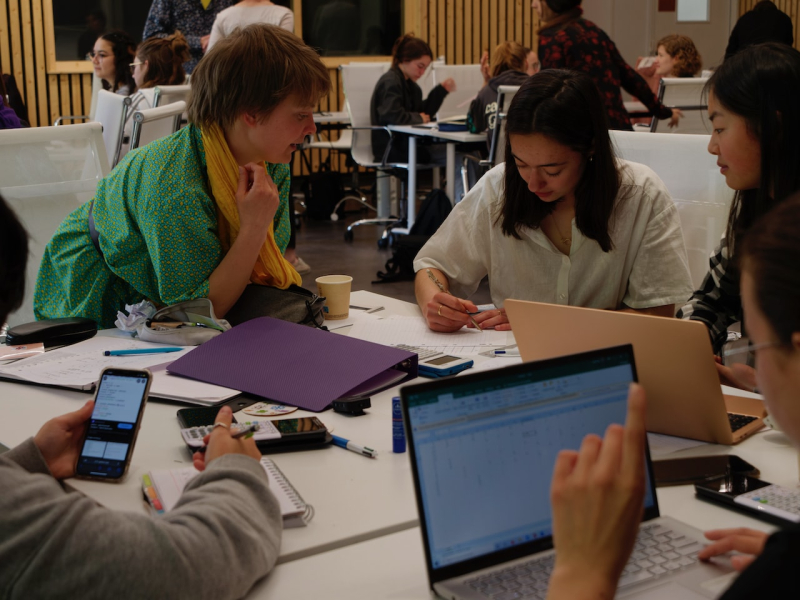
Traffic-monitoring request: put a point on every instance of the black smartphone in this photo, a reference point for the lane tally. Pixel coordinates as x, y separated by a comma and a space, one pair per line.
111, 433
757, 498
697, 469
197, 416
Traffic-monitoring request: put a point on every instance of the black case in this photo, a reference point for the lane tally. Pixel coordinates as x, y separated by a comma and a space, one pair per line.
52, 332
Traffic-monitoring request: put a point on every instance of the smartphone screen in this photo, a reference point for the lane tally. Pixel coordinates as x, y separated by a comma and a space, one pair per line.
733, 485
304, 425
112, 429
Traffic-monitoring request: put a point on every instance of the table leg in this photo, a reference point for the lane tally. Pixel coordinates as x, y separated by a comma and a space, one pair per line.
450, 173
411, 211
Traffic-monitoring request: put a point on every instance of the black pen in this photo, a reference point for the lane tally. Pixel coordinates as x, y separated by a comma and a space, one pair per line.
246, 432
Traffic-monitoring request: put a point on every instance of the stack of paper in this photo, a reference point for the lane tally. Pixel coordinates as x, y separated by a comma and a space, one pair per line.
413, 331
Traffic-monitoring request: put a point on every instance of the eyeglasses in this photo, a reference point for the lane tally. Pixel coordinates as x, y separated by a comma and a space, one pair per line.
133, 65
750, 347
100, 55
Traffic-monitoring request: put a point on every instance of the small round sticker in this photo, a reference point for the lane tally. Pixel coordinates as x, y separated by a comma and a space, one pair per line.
268, 409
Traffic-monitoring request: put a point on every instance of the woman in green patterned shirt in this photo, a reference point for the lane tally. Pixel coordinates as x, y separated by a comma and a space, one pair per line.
203, 212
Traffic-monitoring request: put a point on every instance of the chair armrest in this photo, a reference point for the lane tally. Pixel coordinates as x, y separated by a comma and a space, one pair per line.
69, 118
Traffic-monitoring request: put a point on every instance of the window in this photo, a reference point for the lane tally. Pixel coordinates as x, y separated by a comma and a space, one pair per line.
693, 11
351, 27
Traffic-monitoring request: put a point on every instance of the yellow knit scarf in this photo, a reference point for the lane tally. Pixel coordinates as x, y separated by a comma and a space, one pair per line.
223, 175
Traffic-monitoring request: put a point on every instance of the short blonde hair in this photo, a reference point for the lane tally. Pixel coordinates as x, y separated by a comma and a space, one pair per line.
508, 56
253, 70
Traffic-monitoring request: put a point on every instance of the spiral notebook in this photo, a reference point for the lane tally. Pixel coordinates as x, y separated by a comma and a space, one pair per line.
163, 488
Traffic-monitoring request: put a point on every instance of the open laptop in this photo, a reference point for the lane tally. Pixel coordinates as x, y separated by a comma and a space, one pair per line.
482, 450
674, 358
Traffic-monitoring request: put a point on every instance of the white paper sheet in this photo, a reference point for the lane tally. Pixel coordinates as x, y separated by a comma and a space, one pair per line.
79, 365
172, 387
662, 445
413, 331
493, 363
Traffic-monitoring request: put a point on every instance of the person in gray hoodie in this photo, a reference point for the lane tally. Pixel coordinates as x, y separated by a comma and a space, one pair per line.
508, 66
222, 536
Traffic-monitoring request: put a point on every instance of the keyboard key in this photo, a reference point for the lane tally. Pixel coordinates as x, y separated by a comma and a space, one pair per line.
671, 555
642, 575
690, 549
657, 570
671, 565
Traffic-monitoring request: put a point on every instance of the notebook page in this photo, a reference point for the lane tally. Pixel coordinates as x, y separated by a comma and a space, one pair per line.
413, 331
169, 484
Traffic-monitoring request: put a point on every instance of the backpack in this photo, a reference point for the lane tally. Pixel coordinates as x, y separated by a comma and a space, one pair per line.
323, 191
432, 213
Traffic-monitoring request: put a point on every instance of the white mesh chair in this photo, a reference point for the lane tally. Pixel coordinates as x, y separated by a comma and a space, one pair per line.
167, 94
469, 81
155, 123
45, 174
695, 183
497, 148
685, 93
97, 85
111, 111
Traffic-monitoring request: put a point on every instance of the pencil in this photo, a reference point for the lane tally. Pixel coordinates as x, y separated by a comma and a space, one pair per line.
441, 288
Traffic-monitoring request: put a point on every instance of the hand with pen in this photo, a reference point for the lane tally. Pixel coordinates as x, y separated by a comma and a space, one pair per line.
221, 442
445, 312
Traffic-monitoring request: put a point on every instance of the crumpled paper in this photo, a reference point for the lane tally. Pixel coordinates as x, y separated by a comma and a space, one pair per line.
137, 315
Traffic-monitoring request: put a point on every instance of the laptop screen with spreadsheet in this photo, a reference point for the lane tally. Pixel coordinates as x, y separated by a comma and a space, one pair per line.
483, 449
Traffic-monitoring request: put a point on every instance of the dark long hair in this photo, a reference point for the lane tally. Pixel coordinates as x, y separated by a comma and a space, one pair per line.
761, 84
409, 47
566, 107
771, 252
124, 49
13, 258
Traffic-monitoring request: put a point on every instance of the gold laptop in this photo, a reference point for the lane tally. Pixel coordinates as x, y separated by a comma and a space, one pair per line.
674, 361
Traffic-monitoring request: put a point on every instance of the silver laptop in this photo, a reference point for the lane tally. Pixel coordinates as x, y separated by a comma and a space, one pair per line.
482, 450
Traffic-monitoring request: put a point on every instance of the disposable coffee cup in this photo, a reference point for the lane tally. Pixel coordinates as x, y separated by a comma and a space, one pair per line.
336, 289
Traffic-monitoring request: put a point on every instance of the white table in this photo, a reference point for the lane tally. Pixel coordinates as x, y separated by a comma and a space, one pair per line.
326, 118
452, 138
364, 540
355, 498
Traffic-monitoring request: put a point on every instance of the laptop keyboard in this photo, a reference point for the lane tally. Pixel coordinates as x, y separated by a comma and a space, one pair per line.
658, 550
739, 421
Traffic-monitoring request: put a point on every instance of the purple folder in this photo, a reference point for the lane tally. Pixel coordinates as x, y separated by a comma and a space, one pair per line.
291, 364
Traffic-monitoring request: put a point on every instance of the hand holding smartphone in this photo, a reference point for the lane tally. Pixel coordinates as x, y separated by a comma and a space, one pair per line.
111, 432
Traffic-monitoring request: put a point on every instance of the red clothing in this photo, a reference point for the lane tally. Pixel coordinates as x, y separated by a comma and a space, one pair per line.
583, 46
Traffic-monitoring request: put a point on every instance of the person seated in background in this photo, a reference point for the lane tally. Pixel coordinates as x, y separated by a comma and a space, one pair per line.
397, 100
676, 56
763, 23
752, 107
203, 212
250, 11
8, 117
597, 493
562, 221
568, 41
534, 66
111, 58
222, 537
508, 66
159, 61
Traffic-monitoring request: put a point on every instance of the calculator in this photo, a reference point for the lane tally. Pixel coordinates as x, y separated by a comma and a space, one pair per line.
193, 436
759, 498
433, 363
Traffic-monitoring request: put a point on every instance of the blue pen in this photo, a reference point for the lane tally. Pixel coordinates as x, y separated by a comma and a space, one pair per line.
506, 352
348, 445
140, 351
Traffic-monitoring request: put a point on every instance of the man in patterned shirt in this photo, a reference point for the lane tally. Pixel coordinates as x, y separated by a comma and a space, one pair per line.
193, 18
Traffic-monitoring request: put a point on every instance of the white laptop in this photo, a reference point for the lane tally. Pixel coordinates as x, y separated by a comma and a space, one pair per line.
482, 450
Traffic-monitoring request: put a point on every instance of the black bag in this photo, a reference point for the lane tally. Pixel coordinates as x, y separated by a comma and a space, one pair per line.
294, 304
323, 191
432, 214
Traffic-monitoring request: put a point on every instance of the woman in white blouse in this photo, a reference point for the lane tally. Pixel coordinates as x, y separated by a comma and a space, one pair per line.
247, 12
562, 221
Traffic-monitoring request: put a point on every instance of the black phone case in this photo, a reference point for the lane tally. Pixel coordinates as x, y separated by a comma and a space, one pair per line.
52, 332
709, 495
